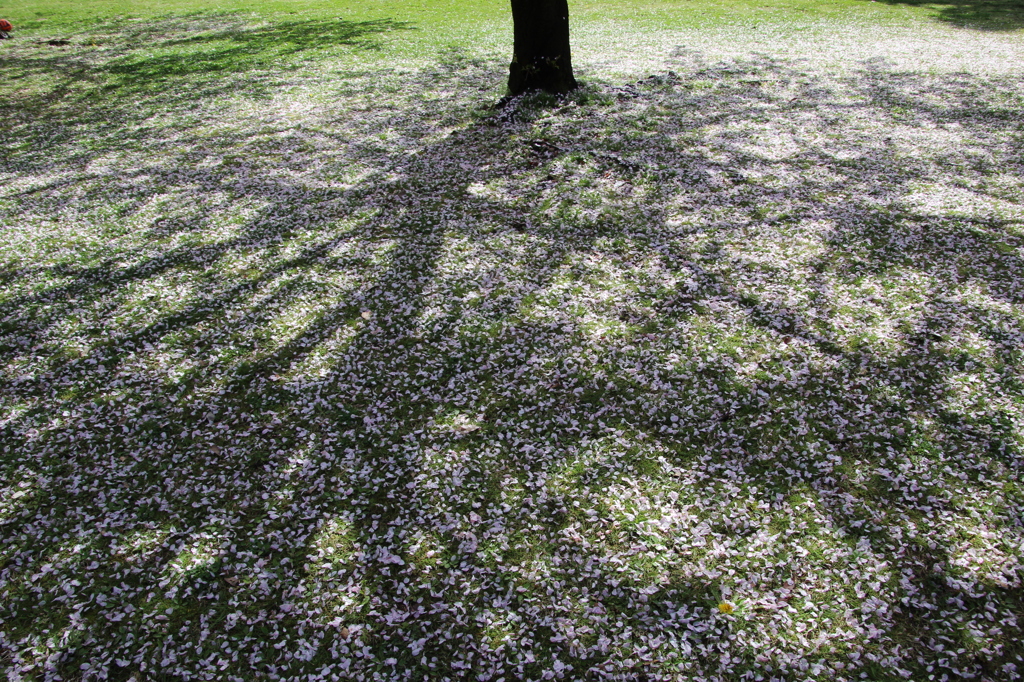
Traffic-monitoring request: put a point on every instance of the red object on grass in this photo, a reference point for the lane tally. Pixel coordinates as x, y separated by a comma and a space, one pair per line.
5, 25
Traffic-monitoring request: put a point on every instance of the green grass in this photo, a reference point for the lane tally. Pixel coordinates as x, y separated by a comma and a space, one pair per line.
449, 17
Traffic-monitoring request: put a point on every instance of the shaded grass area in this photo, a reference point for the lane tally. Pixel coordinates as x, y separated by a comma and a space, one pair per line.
989, 15
174, 62
241, 49
337, 369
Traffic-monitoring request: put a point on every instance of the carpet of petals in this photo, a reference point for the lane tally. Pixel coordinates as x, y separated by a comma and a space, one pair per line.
323, 368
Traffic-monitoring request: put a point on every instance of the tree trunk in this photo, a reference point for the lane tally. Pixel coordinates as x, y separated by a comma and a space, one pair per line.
540, 55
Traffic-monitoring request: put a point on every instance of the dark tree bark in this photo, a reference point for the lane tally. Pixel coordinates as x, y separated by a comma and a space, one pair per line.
540, 56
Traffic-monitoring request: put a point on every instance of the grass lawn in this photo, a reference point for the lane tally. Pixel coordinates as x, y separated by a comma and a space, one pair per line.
315, 366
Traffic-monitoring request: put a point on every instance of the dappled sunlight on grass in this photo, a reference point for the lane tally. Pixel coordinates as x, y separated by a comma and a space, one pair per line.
336, 370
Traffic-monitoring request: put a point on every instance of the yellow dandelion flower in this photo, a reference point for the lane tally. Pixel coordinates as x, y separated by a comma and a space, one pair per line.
727, 607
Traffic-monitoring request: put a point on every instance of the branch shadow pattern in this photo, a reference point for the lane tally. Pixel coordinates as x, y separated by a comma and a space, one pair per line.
385, 423
244, 48
172, 64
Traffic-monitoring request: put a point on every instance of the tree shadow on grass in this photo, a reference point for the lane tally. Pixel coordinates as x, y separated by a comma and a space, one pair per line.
166, 65
985, 15
432, 393
243, 49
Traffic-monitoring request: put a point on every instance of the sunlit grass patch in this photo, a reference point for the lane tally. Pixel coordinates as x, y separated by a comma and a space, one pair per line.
198, 558
331, 559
